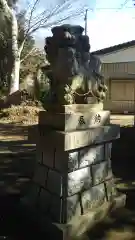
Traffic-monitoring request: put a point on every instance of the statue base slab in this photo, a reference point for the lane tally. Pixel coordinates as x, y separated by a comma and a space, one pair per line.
74, 108
74, 120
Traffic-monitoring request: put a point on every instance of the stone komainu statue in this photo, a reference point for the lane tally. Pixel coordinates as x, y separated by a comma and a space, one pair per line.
75, 74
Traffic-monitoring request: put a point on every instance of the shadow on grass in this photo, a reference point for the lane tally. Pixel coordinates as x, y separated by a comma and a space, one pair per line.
17, 162
9, 129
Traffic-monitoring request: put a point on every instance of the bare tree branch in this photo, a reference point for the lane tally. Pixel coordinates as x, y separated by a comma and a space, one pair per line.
31, 52
44, 24
44, 19
31, 14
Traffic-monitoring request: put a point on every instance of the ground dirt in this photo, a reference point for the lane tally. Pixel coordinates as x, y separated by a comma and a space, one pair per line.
14, 121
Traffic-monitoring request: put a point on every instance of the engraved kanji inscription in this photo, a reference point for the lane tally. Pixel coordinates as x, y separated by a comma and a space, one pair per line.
81, 120
97, 118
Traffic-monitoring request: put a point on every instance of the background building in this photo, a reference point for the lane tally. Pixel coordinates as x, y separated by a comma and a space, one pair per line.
118, 67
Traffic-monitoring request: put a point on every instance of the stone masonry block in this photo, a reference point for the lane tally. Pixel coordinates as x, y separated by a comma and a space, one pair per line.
99, 172
61, 160
93, 197
72, 140
40, 176
54, 182
31, 198
108, 149
56, 210
74, 121
73, 160
53, 205
111, 189
45, 151
110, 172
109, 163
48, 156
79, 180
73, 207
46, 138
44, 201
80, 139
66, 161
76, 181
73, 108
90, 155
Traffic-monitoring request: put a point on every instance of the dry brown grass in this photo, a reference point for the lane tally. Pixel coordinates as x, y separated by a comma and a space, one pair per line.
23, 115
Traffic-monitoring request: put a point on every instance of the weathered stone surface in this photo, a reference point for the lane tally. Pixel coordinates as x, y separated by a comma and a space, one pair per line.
108, 149
79, 226
109, 163
79, 180
89, 155
73, 174
111, 189
99, 172
74, 121
61, 160
45, 148
48, 156
31, 197
73, 108
79, 139
54, 182
93, 197
46, 139
72, 161
45, 155
73, 207
66, 161
40, 176
56, 210
74, 73
44, 200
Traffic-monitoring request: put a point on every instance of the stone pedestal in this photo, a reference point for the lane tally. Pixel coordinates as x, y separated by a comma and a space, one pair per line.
73, 175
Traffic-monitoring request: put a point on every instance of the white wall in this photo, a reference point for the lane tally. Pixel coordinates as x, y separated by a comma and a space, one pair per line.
125, 55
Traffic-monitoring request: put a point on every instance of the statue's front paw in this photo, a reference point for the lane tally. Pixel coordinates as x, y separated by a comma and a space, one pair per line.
69, 99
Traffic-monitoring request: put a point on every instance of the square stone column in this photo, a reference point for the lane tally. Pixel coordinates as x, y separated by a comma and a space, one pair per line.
73, 175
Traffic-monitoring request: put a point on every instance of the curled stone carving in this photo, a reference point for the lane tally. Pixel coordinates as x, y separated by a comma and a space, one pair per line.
74, 73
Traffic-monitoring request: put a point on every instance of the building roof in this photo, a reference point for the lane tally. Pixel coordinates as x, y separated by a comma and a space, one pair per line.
114, 48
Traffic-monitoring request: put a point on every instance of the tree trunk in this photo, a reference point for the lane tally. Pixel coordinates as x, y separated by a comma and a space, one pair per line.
14, 83
16, 52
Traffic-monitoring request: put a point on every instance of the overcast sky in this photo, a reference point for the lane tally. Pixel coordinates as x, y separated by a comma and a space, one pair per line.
110, 22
